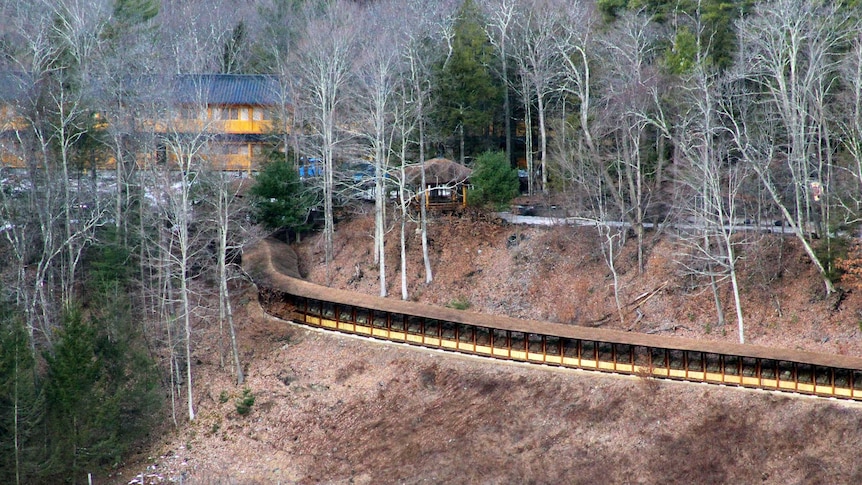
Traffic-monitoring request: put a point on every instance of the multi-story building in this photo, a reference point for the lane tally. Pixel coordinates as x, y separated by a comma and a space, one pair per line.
233, 111
232, 115
14, 87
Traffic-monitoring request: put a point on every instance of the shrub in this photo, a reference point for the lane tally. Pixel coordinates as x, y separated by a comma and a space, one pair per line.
495, 182
279, 197
245, 402
460, 303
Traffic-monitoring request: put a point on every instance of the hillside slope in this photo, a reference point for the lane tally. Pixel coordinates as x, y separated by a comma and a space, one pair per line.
560, 274
336, 409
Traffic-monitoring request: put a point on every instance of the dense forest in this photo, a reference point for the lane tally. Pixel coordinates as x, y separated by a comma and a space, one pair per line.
719, 115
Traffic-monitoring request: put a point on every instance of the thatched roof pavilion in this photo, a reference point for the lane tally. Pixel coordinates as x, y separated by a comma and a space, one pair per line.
439, 171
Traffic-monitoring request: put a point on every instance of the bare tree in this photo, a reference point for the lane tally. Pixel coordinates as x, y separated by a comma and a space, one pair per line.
129, 61
78, 33
200, 32
379, 68
222, 194
789, 50
325, 59
57, 44
606, 147
433, 29
712, 182
30, 208
540, 32
407, 125
500, 15
173, 185
631, 49
850, 198
579, 149
183, 129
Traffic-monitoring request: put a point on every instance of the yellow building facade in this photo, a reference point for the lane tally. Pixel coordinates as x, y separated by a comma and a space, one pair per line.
230, 114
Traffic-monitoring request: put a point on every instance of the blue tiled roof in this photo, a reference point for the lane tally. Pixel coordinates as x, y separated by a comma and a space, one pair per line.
227, 89
210, 89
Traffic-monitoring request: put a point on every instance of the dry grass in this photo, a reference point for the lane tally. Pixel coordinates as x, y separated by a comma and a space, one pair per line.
333, 409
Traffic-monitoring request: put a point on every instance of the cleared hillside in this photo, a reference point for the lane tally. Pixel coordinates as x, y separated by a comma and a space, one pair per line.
335, 409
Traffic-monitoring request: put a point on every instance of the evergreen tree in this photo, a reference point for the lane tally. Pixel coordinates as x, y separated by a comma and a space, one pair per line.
468, 96
82, 417
110, 262
495, 182
101, 389
132, 12
232, 50
21, 405
129, 374
280, 198
129, 15
714, 31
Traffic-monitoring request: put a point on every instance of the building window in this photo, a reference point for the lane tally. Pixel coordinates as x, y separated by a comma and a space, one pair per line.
229, 149
224, 114
441, 193
259, 114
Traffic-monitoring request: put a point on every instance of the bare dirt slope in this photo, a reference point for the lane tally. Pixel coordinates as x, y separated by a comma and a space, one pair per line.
560, 274
335, 409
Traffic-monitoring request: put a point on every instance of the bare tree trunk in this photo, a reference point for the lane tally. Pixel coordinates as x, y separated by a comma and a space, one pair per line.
543, 141
166, 312
403, 202
737, 299
716, 297
608, 249
223, 217
423, 212
528, 138
328, 215
187, 324
380, 233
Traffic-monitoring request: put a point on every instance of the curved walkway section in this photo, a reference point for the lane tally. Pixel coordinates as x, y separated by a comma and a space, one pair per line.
273, 267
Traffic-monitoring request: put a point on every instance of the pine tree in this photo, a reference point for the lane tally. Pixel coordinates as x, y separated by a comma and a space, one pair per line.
101, 389
232, 50
131, 12
82, 417
494, 180
280, 199
21, 405
468, 95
